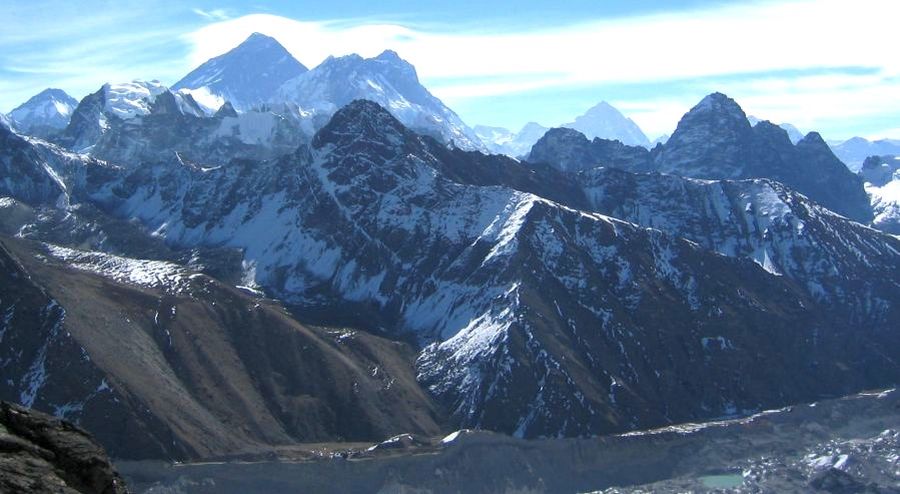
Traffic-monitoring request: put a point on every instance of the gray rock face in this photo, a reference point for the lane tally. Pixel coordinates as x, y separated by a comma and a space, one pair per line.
793, 132
40, 453
174, 124
25, 177
570, 151
880, 170
45, 113
247, 76
715, 141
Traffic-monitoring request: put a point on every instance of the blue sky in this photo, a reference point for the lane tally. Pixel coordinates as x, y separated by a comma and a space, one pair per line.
826, 65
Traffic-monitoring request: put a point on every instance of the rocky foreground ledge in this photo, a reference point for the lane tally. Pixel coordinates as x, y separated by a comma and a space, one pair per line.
43, 454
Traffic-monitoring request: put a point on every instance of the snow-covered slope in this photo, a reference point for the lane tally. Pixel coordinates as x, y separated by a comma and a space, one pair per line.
387, 80
114, 104
882, 177
606, 122
247, 76
44, 113
513, 144
761, 220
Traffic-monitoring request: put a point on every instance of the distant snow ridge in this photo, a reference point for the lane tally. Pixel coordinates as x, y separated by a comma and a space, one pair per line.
853, 152
387, 80
606, 122
503, 141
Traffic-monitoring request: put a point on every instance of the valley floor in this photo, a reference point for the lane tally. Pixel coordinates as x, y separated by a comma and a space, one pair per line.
849, 444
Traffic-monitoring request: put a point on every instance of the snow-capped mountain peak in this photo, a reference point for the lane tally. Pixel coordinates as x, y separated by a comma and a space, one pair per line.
387, 80
246, 76
606, 122
45, 112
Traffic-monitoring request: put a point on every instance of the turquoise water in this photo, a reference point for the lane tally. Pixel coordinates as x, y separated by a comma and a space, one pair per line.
726, 481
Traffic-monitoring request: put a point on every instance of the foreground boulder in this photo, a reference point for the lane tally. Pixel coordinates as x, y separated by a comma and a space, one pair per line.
40, 453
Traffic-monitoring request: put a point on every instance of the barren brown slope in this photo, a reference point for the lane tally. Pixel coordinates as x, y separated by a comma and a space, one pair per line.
197, 370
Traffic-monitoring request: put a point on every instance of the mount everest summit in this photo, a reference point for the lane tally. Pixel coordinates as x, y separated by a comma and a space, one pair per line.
327, 255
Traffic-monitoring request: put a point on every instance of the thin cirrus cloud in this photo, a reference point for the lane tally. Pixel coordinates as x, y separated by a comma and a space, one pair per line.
758, 42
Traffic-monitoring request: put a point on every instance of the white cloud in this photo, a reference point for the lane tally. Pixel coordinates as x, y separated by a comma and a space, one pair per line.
213, 15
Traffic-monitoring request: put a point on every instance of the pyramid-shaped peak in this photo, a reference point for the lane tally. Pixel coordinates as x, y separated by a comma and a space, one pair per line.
54, 93
814, 140
603, 106
259, 41
260, 37
360, 119
719, 103
389, 55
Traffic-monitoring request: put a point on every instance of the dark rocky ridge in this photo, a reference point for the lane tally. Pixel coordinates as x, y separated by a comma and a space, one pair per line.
714, 140
40, 453
570, 151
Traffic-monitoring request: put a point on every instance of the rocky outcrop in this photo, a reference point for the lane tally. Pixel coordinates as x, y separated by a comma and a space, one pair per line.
570, 151
40, 453
882, 177
715, 141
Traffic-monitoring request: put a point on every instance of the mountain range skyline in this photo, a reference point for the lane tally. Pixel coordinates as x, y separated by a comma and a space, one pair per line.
505, 79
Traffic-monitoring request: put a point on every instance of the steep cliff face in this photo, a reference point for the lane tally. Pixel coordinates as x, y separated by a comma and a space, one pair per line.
570, 151
41, 453
715, 141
